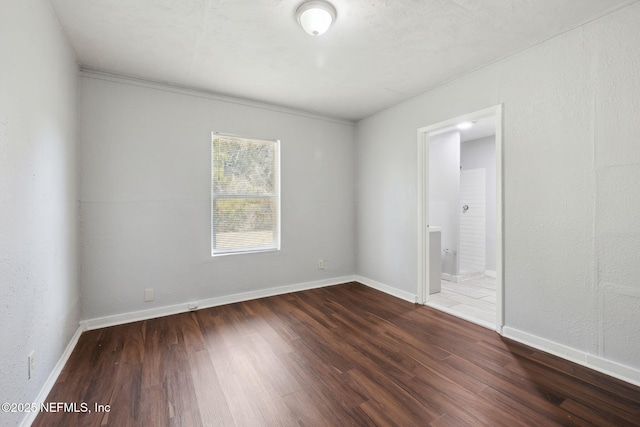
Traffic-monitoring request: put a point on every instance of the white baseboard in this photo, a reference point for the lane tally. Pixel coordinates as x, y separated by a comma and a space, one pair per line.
450, 278
597, 363
53, 376
407, 296
119, 319
460, 279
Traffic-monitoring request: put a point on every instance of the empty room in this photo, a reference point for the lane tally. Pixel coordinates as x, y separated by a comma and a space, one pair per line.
341, 212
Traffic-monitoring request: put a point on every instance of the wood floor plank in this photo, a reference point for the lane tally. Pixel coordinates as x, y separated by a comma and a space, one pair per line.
588, 395
340, 355
212, 403
268, 325
459, 404
597, 417
322, 378
179, 385
153, 406
269, 366
517, 388
153, 364
387, 403
307, 410
126, 397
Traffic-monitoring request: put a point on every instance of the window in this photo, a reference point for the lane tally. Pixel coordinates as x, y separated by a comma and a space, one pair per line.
245, 195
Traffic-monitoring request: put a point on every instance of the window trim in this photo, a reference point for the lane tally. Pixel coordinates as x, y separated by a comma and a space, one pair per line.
275, 246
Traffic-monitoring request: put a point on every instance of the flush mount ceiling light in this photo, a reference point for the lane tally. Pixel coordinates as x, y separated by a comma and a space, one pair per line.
315, 17
465, 125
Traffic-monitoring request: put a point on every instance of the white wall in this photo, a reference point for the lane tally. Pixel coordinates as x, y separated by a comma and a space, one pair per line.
145, 197
481, 153
38, 200
571, 173
444, 194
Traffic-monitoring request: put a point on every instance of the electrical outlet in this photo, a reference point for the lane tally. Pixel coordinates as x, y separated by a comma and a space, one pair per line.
32, 364
320, 264
148, 295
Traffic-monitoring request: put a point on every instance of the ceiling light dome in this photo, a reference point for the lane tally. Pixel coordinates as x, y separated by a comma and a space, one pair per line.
315, 17
465, 125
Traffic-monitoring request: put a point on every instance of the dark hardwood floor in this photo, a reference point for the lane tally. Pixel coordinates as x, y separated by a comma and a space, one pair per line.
336, 356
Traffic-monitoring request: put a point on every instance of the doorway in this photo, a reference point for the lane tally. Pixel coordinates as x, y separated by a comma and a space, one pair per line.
460, 209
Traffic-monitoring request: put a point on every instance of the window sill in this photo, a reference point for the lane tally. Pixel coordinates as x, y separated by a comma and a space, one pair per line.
244, 252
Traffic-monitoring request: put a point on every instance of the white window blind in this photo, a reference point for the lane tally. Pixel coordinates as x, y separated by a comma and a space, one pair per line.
245, 195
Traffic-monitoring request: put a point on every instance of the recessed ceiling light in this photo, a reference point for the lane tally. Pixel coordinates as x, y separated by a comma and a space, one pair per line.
315, 17
465, 125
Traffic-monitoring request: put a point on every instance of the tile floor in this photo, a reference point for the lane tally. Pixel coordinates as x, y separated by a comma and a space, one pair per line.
473, 300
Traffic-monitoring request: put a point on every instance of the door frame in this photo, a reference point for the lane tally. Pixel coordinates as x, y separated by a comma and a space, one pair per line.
423, 204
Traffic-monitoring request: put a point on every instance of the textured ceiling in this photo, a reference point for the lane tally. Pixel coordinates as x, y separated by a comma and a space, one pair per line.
378, 52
